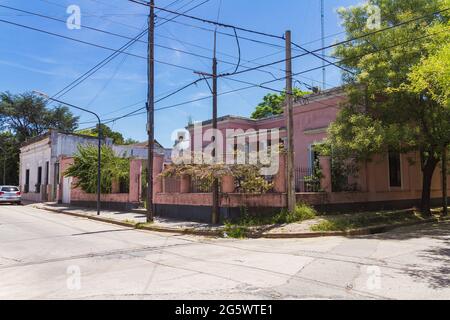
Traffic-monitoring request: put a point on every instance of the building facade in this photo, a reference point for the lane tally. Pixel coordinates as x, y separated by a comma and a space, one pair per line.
39, 162
388, 180
40, 168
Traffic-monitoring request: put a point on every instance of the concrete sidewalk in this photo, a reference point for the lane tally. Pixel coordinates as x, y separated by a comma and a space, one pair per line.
136, 218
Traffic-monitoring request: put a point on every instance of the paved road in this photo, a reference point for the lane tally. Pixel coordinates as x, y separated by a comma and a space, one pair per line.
49, 255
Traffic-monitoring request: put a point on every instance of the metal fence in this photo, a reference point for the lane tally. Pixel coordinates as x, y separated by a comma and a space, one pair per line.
199, 186
171, 185
306, 180
239, 189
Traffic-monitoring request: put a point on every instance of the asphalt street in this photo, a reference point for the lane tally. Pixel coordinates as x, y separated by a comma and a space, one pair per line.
45, 255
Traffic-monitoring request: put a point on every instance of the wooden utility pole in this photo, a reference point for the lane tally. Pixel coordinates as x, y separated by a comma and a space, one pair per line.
444, 182
150, 109
215, 192
291, 199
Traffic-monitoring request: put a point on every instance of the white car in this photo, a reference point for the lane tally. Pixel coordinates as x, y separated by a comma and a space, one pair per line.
10, 194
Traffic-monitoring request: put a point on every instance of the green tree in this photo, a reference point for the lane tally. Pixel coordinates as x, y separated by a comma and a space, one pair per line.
431, 78
9, 148
26, 115
388, 109
272, 104
84, 169
107, 132
23, 116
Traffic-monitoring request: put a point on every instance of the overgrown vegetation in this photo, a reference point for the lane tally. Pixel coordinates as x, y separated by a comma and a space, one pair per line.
273, 103
366, 219
340, 172
24, 116
242, 227
107, 132
84, 169
302, 212
248, 178
398, 94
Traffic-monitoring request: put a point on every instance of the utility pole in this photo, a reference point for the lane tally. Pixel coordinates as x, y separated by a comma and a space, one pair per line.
215, 192
150, 109
322, 25
215, 214
99, 164
291, 199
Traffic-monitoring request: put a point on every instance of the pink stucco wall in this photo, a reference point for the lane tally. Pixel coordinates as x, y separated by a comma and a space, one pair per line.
374, 186
231, 200
310, 124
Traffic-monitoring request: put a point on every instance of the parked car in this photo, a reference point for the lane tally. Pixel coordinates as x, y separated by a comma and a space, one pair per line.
10, 194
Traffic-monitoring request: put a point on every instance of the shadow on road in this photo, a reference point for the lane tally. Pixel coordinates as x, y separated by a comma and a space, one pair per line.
437, 257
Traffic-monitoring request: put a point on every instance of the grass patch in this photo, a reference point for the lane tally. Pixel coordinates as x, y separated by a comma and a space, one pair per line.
368, 219
302, 212
143, 225
242, 228
130, 222
137, 225
236, 231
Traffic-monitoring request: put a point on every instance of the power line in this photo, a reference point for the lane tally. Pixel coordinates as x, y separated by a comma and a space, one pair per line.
114, 21
320, 56
117, 35
323, 60
313, 52
97, 67
158, 45
115, 54
212, 22
239, 72
135, 113
227, 34
344, 42
111, 57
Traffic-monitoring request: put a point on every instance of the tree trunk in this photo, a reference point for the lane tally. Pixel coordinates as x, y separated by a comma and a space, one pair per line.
427, 172
444, 182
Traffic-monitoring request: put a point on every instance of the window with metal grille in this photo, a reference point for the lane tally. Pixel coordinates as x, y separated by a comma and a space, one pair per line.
395, 170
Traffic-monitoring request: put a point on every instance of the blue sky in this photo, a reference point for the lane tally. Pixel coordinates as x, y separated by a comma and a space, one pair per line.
30, 60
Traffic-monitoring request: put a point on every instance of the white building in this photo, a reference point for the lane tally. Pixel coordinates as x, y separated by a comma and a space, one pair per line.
39, 166
39, 173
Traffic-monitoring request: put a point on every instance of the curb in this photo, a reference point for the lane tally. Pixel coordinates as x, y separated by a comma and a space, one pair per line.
136, 226
354, 232
254, 235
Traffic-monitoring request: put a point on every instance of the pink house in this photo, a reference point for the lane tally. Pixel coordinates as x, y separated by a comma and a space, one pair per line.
388, 180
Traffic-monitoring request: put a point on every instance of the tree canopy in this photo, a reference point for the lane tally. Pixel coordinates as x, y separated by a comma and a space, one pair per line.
272, 104
107, 132
23, 116
26, 115
398, 93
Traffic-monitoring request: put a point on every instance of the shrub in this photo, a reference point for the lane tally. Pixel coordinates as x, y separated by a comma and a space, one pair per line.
84, 169
235, 231
247, 177
302, 212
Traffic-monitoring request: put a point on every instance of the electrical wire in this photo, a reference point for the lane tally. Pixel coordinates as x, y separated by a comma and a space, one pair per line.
219, 24
282, 78
123, 36
91, 71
